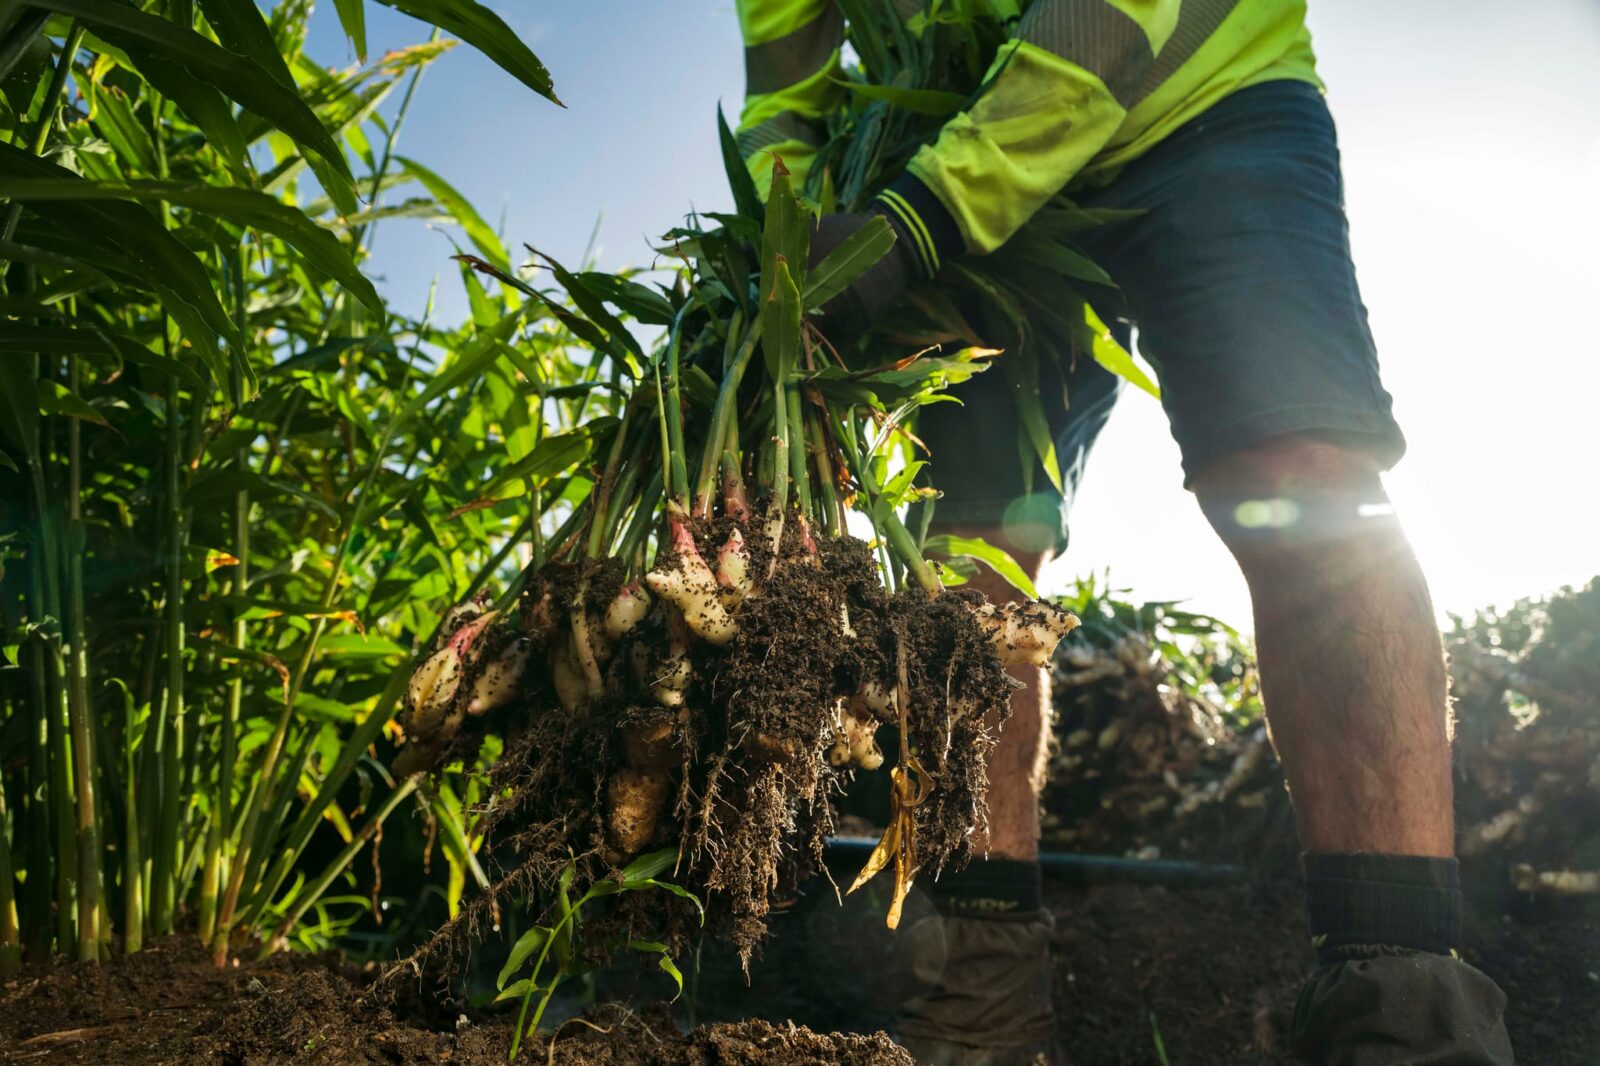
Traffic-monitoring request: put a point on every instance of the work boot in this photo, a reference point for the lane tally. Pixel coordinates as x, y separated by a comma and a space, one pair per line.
1391, 991
1400, 1008
977, 971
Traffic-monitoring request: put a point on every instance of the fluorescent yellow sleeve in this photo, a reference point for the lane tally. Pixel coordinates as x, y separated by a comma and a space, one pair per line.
1039, 122
761, 21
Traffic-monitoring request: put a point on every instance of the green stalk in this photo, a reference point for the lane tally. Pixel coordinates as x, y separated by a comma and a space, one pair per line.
797, 454
80, 713
313, 890
164, 856
132, 857
604, 491
227, 729
780, 467
242, 865
10, 930
832, 515
722, 413
678, 473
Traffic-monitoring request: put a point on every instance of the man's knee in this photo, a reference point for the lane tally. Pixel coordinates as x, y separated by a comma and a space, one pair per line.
1292, 492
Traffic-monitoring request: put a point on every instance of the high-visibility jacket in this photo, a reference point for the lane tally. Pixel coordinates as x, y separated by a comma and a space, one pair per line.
1082, 88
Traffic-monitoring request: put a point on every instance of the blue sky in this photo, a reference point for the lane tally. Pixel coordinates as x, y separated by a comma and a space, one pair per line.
1471, 140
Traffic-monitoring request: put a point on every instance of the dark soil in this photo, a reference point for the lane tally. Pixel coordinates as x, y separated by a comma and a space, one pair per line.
1215, 970
168, 1004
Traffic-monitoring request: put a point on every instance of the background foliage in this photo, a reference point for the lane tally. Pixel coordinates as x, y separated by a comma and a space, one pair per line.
235, 487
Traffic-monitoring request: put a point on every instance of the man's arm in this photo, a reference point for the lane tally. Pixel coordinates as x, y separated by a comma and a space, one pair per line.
791, 56
1052, 99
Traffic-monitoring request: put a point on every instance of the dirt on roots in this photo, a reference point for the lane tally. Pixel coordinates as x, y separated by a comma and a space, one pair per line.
740, 771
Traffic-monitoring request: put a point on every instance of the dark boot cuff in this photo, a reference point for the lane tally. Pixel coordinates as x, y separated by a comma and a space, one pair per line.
998, 888
1359, 903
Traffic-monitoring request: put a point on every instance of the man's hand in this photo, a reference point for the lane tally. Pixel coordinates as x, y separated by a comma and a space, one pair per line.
851, 313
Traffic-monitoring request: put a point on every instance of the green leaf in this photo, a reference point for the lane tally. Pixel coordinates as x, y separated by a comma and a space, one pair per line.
1114, 357
468, 364
521, 951
133, 238
923, 101
78, 340
642, 302
666, 886
650, 864
854, 256
478, 231
240, 77
240, 27
206, 107
486, 32
780, 324
216, 486
245, 206
784, 234
745, 197
997, 559
56, 399
593, 307
549, 457
353, 18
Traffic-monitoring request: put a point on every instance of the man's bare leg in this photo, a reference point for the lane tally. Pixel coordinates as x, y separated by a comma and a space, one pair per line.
1352, 671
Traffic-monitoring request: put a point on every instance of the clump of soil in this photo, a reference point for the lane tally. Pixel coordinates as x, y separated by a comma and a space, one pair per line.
727, 750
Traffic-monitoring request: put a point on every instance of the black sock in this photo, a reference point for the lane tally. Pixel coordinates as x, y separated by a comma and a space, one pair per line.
989, 888
1362, 904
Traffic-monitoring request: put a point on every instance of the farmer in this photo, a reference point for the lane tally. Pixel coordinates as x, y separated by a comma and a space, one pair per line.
1206, 117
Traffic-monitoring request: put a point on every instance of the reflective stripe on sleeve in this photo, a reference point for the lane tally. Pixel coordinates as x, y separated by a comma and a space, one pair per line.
794, 57
1100, 38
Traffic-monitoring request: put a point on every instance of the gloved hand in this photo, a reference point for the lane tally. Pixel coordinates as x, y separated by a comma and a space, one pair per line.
851, 313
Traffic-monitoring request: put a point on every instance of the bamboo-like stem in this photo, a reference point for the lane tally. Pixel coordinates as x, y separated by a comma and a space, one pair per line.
164, 856
797, 453
80, 712
816, 445
722, 412
133, 909
678, 473
10, 929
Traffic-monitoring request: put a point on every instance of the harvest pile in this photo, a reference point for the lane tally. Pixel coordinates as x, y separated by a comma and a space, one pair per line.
1525, 685
1159, 748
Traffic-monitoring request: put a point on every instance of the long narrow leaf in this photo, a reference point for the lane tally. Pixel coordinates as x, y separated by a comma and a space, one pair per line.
488, 33
245, 206
239, 77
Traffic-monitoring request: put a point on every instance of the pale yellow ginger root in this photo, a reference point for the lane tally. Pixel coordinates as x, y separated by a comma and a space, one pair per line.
733, 570
432, 688
571, 690
670, 685
688, 584
872, 700
636, 797
498, 683
626, 611
1025, 632
855, 740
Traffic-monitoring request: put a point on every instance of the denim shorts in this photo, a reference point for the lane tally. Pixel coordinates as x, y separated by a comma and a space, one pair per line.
1237, 274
